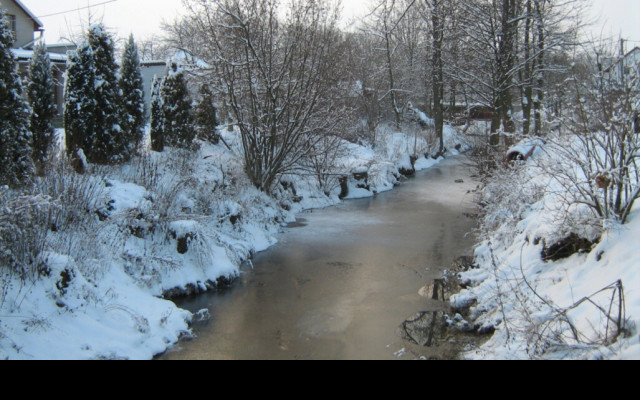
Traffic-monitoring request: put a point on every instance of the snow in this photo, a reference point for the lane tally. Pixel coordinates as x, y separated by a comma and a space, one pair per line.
28, 55
126, 196
528, 301
103, 319
170, 222
527, 146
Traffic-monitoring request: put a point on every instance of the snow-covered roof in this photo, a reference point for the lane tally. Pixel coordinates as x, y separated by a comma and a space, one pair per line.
56, 45
21, 54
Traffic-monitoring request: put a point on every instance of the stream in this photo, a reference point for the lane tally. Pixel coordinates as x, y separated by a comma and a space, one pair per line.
341, 281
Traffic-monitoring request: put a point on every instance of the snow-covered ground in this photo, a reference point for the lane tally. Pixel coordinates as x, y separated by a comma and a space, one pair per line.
164, 224
563, 309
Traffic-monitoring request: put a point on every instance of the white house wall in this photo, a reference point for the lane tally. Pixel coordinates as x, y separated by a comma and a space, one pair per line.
24, 24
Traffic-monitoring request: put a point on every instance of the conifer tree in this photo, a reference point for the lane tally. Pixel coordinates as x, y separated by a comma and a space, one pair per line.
80, 108
16, 165
157, 116
207, 116
132, 105
179, 127
41, 94
109, 144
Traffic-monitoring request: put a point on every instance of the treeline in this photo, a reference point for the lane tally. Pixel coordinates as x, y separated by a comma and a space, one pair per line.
105, 110
445, 57
449, 56
105, 115
16, 139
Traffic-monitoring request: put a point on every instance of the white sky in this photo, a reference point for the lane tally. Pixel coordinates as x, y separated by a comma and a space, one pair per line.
143, 17
618, 18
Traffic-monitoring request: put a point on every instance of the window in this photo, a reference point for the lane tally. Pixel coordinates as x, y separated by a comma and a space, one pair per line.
12, 24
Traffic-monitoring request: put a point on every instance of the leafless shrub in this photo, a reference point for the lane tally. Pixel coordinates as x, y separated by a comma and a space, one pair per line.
506, 198
588, 324
79, 197
140, 322
604, 323
276, 64
145, 171
322, 161
596, 163
24, 224
484, 158
559, 331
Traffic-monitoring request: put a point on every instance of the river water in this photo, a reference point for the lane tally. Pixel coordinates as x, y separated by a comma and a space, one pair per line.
340, 283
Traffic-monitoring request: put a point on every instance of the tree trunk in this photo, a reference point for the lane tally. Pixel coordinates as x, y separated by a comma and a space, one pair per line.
506, 62
526, 73
539, 90
392, 83
437, 18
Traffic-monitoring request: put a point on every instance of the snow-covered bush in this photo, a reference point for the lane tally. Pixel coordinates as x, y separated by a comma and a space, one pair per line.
92, 116
16, 165
177, 111
79, 108
109, 144
206, 117
505, 200
41, 93
157, 115
133, 117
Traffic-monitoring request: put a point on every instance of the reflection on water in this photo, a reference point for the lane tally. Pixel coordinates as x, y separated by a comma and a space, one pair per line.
342, 280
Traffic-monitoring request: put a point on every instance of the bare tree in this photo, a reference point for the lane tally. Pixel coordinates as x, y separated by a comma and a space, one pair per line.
361, 61
275, 67
438, 10
152, 48
549, 29
382, 25
598, 160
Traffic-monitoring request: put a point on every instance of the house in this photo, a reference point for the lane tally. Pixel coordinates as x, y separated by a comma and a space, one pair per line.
23, 22
150, 70
28, 30
625, 67
58, 66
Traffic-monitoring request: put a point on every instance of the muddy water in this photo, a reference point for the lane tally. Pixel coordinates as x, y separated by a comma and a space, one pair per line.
342, 280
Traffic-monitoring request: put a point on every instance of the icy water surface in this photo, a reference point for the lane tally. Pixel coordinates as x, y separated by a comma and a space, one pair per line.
342, 280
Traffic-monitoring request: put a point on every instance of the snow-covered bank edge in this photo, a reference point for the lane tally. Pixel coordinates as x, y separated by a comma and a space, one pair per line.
541, 304
163, 225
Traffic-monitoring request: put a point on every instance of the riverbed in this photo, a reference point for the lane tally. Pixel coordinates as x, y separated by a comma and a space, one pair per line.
342, 280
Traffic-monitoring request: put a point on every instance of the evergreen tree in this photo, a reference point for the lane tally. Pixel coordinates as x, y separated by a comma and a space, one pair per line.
16, 165
207, 116
157, 116
41, 94
179, 127
80, 107
132, 105
109, 144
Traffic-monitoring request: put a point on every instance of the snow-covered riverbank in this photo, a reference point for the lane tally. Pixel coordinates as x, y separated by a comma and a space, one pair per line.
541, 283
164, 224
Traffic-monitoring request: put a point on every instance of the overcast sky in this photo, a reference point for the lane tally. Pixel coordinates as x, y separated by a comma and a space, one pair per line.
143, 17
